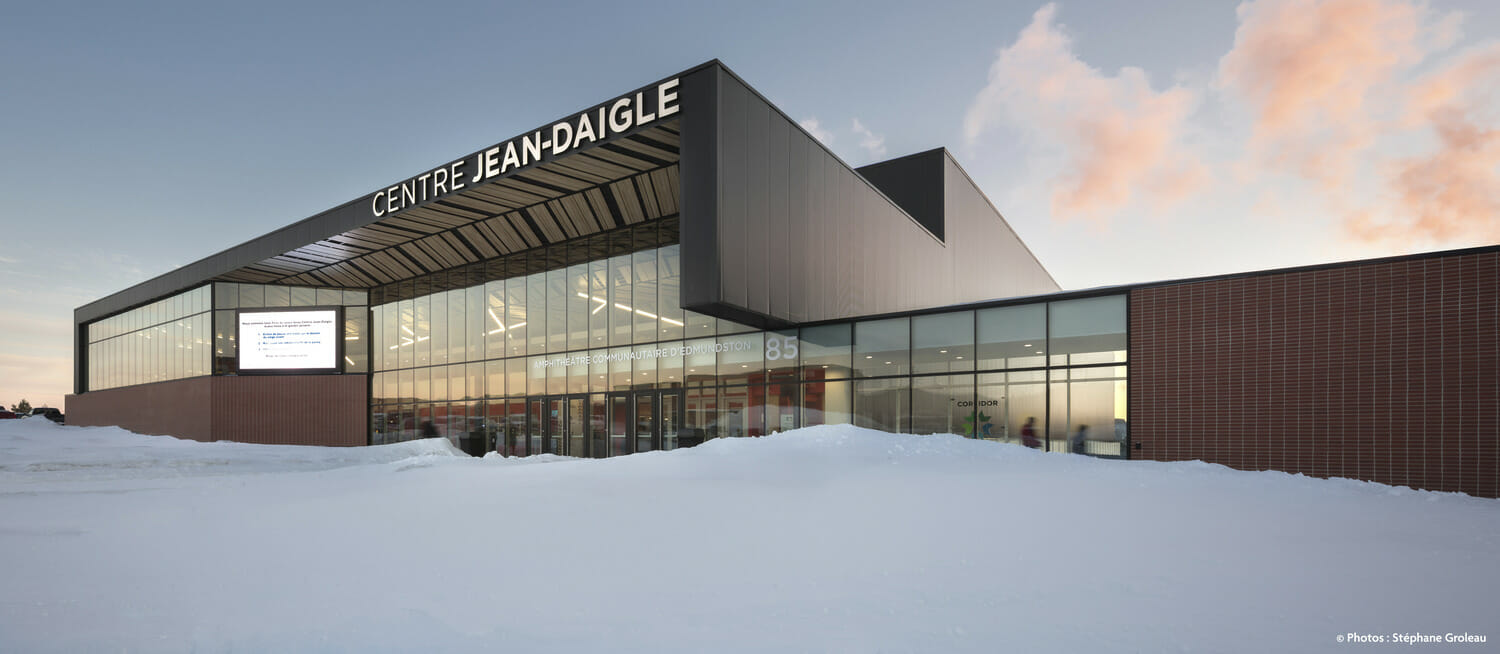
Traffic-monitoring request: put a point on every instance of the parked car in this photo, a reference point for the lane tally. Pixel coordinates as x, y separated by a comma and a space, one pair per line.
6, 415
50, 413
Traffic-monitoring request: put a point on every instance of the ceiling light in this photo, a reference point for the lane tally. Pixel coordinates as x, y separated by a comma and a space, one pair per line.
942, 351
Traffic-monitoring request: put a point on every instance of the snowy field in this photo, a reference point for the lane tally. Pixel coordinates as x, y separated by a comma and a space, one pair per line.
830, 539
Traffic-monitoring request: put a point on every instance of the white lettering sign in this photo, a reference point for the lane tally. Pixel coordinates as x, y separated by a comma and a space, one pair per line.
610, 119
777, 348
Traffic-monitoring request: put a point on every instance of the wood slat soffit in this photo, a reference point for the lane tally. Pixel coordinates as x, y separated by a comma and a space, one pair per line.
622, 182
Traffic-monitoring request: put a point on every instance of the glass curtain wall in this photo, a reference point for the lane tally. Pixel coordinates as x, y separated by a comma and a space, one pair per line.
165, 340
192, 334
594, 327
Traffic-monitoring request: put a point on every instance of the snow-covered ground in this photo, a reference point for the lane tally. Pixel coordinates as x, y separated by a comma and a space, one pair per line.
822, 539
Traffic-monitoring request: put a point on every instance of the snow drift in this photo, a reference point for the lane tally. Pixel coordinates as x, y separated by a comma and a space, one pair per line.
821, 539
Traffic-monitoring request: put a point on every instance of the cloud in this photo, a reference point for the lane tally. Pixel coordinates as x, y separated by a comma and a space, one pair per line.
1317, 75
812, 127
1334, 90
1451, 192
868, 140
1122, 140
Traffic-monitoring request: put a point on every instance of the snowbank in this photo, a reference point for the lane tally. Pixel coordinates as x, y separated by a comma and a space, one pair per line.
821, 539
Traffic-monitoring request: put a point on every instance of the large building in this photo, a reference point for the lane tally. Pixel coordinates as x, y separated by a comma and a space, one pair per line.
684, 262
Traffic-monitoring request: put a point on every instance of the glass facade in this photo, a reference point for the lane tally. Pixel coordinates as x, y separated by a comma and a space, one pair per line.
165, 340
582, 349
192, 334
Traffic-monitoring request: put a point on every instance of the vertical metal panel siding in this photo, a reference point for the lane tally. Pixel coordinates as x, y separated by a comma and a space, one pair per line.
797, 223
848, 251
758, 242
293, 409
989, 259
733, 178
699, 102
778, 189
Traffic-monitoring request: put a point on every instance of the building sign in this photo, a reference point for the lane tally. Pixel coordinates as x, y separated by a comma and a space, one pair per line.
288, 340
609, 119
775, 347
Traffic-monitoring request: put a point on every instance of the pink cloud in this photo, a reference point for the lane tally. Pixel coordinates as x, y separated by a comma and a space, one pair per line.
1452, 192
1315, 73
1122, 140
1333, 90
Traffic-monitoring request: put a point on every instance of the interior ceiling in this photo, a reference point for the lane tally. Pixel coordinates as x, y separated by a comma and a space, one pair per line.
621, 182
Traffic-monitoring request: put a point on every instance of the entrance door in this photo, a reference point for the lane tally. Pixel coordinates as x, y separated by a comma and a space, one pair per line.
646, 423
620, 423
578, 420
670, 419
642, 421
561, 426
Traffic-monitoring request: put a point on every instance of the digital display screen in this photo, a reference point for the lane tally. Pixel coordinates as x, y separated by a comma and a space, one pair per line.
289, 340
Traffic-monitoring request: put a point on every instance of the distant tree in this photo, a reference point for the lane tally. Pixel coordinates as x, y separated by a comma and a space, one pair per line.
23, 407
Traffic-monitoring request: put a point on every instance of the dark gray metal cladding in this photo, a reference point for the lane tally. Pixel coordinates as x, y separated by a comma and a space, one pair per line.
778, 230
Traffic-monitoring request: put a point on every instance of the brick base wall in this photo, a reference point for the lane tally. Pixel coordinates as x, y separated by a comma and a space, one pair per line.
1387, 371
291, 410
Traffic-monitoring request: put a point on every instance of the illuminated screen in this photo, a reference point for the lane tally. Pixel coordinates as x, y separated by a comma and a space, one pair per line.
289, 340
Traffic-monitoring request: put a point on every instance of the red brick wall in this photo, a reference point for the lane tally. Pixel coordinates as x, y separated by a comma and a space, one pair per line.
292, 409
1388, 372
175, 408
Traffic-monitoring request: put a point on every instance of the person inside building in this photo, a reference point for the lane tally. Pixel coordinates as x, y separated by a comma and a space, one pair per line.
1080, 437
1028, 434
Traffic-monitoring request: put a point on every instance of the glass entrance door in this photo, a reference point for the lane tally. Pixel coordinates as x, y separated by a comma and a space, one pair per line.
560, 425
642, 421
670, 420
578, 420
619, 425
645, 421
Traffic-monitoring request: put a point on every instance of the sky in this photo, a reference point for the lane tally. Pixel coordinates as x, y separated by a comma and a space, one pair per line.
1124, 142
